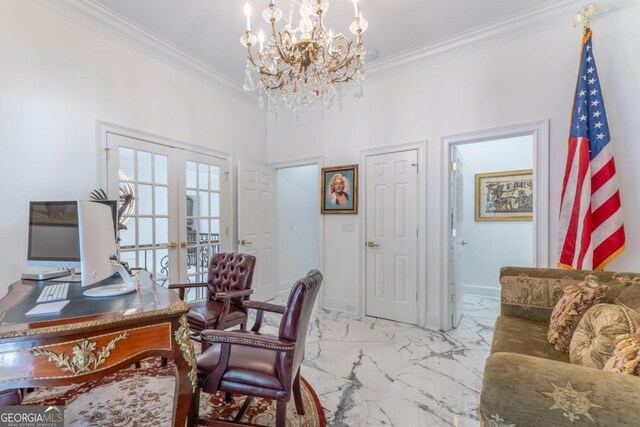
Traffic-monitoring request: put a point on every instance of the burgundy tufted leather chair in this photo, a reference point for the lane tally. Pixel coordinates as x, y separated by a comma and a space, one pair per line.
255, 364
229, 286
11, 397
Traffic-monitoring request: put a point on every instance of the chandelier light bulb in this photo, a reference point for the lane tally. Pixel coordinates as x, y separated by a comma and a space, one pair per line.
247, 13
356, 8
261, 40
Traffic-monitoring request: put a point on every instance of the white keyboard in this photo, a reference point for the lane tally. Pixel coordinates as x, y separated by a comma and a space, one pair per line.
55, 292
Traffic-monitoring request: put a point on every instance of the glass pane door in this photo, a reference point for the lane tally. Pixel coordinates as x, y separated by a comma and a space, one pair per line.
202, 230
151, 231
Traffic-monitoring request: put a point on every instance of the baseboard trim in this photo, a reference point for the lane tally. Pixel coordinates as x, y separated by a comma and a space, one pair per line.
481, 291
337, 304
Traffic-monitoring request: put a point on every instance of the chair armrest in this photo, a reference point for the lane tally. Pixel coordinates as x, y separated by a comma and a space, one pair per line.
520, 390
214, 336
187, 285
182, 286
233, 294
259, 305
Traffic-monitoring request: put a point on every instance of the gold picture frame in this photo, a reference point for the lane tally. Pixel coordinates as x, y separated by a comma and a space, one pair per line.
339, 190
504, 196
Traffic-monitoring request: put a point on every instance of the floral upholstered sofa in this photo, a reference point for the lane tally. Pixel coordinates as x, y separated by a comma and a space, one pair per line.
527, 382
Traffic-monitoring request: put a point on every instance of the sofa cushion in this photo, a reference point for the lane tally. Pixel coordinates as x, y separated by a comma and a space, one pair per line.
517, 335
630, 297
594, 339
571, 307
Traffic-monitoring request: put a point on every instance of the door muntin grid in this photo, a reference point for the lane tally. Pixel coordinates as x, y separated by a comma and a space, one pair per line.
145, 242
202, 213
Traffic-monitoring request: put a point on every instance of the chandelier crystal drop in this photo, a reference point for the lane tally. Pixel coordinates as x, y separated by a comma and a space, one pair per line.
307, 64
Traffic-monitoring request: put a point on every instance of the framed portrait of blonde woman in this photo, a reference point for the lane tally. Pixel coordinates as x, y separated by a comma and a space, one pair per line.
339, 192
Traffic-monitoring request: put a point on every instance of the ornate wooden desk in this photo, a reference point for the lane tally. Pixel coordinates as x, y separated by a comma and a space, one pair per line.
93, 337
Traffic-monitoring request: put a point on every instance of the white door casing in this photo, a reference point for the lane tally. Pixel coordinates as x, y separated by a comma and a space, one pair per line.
457, 235
392, 236
539, 130
257, 226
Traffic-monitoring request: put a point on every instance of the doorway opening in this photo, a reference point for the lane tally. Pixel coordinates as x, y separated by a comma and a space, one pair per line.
297, 223
496, 201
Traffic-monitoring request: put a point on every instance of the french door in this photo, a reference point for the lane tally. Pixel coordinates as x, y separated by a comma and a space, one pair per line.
180, 198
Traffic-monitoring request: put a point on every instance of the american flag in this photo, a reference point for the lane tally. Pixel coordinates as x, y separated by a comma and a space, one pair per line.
591, 227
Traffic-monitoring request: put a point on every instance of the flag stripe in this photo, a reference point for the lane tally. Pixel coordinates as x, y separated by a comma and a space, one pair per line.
605, 211
600, 177
613, 245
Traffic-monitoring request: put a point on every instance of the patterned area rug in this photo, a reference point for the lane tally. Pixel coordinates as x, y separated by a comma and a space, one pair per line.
144, 397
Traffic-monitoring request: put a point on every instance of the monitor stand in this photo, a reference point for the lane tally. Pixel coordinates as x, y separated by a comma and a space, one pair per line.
128, 285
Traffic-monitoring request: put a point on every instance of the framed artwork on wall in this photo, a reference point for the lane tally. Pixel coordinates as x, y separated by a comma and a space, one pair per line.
339, 192
504, 196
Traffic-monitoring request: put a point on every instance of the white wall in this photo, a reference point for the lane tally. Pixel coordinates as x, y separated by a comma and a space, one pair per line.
492, 244
524, 80
297, 216
57, 77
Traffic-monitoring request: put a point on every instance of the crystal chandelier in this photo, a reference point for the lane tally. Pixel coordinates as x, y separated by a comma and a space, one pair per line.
304, 65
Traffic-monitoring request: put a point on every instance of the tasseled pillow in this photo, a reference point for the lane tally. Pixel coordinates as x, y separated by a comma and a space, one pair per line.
570, 308
626, 357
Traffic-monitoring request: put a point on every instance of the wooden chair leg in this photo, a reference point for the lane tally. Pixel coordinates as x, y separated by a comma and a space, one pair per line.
243, 326
228, 397
163, 362
297, 394
194, 409
138, 365
281, 413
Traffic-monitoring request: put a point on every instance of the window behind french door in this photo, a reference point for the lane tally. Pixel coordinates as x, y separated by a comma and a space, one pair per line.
179, 204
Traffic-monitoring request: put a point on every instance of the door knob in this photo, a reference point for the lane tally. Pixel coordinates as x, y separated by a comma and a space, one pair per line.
372, 245
173, 245
244, 242
463, 243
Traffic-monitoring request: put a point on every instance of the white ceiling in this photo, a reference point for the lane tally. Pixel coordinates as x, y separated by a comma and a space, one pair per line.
209, 30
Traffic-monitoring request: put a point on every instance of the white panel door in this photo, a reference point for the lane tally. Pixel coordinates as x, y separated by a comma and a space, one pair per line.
456, 241
257, 226
392, 236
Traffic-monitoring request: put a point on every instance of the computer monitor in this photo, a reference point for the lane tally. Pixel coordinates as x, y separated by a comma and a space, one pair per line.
53, 235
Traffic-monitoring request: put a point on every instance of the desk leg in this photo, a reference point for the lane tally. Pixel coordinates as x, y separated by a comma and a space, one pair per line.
186, 374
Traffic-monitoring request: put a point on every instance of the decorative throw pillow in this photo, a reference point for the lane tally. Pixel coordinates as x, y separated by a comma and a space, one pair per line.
570, 309
625, 358
595, 337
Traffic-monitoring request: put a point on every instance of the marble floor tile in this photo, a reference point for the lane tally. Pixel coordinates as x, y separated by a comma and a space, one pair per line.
375, 372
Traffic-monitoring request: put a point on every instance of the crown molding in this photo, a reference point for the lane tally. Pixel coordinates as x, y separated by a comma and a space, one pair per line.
536, 20
530, 22
115, 26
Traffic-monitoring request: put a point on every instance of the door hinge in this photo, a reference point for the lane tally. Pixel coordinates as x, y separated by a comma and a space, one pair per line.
416, 165
417, 235
107, 152
454, 166
226, 176
226, 231
454, 298
416, 295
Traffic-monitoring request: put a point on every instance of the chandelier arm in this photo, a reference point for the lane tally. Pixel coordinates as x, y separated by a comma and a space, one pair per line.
346, 57
286, 58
